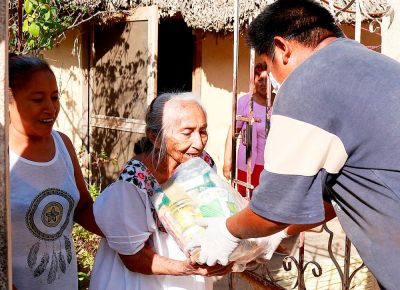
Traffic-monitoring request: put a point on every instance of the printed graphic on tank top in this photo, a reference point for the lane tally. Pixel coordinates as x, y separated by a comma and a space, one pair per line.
47, 218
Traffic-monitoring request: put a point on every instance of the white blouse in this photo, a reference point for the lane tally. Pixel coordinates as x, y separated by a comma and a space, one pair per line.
124, 213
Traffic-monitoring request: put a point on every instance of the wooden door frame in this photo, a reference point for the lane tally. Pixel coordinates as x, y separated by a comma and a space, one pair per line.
5, 219
150, 14
132, 125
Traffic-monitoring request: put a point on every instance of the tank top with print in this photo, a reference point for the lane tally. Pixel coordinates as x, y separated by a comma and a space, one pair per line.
43, 199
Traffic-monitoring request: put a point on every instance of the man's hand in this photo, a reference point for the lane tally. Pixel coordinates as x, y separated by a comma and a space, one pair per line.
217, 244
272, 242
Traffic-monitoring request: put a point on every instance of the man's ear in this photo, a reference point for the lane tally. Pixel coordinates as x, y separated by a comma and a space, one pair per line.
283, 49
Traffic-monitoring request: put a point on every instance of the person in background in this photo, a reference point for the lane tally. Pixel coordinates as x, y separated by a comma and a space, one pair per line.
48, 192
258, 133
329, 144
258, 139
138, 253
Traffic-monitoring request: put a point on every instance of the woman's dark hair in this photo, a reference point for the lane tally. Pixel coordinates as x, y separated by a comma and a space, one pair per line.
304, 21
259, 68
143, 145
21, 67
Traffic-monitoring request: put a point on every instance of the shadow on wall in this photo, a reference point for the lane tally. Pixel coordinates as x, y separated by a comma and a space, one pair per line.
118, 87
70, 67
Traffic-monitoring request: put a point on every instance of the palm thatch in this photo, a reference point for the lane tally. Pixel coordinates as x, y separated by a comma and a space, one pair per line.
217, 15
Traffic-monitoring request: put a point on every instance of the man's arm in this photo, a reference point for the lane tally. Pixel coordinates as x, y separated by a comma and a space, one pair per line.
246, 224
329, 214
243, 225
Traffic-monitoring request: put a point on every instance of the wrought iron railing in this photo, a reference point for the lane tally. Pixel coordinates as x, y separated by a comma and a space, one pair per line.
263, 275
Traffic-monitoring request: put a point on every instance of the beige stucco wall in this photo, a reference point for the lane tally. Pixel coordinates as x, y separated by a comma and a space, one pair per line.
391, 36
65, 60
216, 87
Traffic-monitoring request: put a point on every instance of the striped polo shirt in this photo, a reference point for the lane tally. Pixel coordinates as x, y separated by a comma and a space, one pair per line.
335, 135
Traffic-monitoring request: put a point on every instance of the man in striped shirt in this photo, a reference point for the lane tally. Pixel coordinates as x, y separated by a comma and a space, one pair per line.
334, 140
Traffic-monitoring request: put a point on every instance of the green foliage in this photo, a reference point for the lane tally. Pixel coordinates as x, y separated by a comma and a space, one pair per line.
44, 21
86, 243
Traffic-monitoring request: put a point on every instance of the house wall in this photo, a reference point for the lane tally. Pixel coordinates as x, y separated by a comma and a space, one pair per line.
70, 67
391, 36
370, 39
216, 88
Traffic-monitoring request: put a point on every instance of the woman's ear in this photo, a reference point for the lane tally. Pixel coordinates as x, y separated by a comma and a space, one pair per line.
283, 49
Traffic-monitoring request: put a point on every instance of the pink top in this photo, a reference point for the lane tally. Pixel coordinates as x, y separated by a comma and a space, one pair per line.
258, 144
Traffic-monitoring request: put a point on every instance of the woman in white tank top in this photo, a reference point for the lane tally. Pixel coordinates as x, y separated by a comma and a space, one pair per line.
48, 192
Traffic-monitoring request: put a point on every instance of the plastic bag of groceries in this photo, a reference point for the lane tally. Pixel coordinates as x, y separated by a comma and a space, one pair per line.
194, 193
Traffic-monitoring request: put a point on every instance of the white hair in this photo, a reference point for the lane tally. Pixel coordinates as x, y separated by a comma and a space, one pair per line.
157, 125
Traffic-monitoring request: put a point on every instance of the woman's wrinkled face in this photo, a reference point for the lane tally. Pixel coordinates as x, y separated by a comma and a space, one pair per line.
186, 130
35, 106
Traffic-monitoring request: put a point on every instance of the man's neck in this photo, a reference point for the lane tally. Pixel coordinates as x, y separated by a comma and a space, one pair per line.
325, 42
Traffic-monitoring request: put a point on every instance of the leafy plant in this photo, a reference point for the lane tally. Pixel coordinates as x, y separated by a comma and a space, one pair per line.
43, 23
86, 243
35, 25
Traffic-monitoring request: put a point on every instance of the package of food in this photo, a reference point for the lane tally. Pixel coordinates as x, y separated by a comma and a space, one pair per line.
192, 195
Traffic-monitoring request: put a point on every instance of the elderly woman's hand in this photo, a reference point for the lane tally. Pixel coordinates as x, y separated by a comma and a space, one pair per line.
192, 268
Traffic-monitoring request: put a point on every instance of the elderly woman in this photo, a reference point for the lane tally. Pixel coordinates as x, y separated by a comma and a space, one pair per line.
138, 254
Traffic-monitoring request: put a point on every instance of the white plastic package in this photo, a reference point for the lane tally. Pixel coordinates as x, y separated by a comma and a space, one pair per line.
194, 194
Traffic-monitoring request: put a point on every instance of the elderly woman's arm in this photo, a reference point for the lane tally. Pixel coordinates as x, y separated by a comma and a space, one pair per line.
122, 213
147, 262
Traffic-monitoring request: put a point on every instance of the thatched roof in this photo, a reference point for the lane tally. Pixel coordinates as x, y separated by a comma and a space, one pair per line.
217, 15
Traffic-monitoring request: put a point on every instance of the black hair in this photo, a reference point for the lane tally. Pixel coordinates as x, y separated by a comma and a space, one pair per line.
259, 68
304, 21
21, 67
143, 145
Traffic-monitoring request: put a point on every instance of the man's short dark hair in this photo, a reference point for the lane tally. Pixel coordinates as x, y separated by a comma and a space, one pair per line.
304, 21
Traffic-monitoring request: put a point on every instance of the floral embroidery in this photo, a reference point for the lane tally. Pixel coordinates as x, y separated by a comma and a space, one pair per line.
138, 174
208, 159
